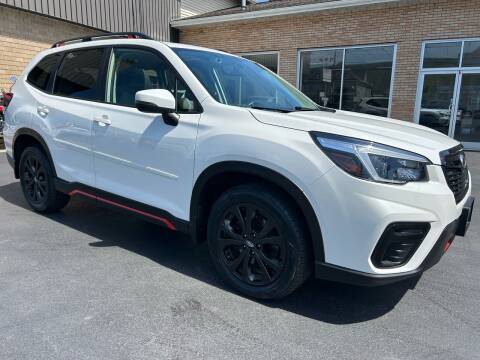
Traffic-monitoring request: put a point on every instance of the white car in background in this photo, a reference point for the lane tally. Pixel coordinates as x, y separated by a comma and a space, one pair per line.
216, 146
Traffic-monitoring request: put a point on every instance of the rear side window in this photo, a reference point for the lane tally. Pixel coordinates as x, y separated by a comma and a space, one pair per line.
42, 72
78, 75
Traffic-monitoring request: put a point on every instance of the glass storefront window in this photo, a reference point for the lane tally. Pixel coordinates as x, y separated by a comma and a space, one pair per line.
366, 74
366, 80
322, 76
269, 60
442, 55
471, 54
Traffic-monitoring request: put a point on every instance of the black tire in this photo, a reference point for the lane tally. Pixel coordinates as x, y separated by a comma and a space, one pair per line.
37, 180
258, 242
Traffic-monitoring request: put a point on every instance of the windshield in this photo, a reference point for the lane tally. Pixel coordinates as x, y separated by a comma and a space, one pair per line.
240, 82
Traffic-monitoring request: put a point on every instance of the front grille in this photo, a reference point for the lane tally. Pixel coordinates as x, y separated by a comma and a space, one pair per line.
455, 168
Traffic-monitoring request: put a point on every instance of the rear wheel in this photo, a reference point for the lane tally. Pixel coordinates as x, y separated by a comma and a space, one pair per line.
258, 242
37, 180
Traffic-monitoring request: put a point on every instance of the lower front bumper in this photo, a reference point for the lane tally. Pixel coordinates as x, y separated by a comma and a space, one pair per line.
331, 272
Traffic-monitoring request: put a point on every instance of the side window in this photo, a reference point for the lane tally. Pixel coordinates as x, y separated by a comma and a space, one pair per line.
78, 75
40, 75
133, 70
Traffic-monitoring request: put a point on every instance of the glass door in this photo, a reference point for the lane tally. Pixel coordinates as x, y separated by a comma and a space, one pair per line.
466, 127
438, 94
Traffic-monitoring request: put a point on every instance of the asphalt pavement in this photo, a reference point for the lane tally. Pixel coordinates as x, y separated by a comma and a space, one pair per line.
90, 283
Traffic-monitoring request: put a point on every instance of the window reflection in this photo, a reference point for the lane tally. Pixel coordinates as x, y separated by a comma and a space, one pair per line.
439, 55
471, 54
366, 84
322, 76
270, 61
367, 75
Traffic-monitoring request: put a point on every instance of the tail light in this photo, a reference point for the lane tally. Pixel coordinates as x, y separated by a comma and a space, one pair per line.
7, 97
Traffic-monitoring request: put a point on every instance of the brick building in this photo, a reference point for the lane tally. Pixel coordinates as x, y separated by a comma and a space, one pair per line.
412, 60
27, 27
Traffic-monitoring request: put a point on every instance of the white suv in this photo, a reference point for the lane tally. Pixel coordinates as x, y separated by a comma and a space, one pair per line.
221, 148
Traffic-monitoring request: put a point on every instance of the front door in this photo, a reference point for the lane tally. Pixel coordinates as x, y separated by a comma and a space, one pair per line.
466, 124
437, 101
137, 155
449, 89
450, 103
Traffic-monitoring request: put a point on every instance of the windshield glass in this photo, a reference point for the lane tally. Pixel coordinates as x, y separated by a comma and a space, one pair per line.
240, 82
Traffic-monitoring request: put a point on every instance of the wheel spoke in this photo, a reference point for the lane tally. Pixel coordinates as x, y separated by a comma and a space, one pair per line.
233, 265
239, 215
229, 241
267, 228
35, 192
273, 264
229, 231
246, 268
271, 240
250, 215
262, 266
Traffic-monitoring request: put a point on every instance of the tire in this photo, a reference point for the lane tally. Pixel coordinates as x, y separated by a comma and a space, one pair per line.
258, 242
37, 181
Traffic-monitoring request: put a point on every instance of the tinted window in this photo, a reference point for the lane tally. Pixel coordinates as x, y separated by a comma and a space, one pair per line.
133, 70
41, 74
235, 81
321, 72
368, 73
270, 61
471, 53
78, 75
438, 55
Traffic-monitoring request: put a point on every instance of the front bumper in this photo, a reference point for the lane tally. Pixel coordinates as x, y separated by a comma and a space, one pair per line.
458, 227
354, 213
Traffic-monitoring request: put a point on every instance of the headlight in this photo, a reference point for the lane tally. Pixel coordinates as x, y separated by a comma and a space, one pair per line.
372, 161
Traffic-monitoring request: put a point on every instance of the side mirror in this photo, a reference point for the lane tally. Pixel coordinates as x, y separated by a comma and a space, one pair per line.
158, 101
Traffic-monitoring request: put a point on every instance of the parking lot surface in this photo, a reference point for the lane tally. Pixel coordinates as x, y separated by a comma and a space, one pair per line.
90, 283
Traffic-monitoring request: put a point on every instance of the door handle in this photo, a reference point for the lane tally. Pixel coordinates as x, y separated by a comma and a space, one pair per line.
102, 120
42, 110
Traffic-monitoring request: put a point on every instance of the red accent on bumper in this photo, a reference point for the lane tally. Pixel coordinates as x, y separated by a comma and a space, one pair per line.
168, 223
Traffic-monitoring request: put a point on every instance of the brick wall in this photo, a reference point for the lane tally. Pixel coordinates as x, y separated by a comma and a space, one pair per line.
406, 23
23, 35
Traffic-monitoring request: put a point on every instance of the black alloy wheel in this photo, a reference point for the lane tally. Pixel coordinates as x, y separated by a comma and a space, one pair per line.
38, 182
251, 244
35, 179
258, 241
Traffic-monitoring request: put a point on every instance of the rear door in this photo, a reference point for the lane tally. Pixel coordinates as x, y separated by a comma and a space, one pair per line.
67, 112
137, 155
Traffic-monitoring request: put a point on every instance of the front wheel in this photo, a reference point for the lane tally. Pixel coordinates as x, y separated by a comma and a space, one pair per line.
258, 242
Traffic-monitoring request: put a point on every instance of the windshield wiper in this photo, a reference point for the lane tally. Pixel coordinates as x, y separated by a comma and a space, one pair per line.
320, 108
270, 109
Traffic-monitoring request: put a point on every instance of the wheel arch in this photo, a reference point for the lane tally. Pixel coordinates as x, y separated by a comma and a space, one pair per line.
220, 176
21, 140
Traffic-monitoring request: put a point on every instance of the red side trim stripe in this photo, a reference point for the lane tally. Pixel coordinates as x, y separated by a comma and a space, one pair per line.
167, 223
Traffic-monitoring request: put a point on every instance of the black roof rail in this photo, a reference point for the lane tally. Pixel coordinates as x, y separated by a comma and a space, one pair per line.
114, 35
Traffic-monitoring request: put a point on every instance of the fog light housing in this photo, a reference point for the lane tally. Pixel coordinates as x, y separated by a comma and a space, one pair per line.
398, 243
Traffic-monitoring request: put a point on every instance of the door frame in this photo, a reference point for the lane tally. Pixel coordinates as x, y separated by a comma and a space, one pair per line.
467, 144
418, 106
459, 71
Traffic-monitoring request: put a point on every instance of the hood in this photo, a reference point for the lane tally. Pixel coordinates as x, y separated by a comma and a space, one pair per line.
400, 134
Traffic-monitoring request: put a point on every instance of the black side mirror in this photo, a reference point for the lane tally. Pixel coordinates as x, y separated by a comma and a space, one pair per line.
158, 101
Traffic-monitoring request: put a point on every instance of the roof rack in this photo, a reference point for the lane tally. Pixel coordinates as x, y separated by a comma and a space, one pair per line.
115, 35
